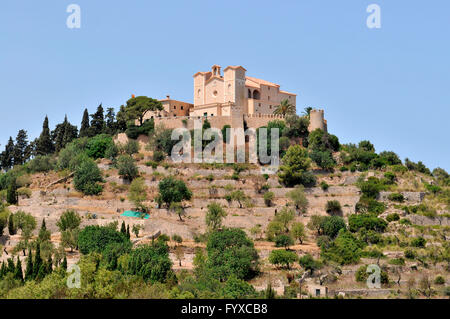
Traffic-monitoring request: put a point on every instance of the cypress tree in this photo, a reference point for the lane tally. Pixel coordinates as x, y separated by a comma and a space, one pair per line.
44, 234
21, 149
2, 270
85, 127
29, 268
110, 121
123, 230
49, 265
11, 228
11, 193
64, 263
41, 272
44, 145
128, 231
8, 155
63, 134
37, 261
11, 267
98, 122
18, 274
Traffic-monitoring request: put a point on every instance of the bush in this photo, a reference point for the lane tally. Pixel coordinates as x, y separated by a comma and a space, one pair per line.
439, 280
333, 207
86, 178
231, 252
362, 275
282, 257
151, 262
331, 225
366, 221
158, 156
96, 146
389, 178
369, 205
172, 190
41, 164
130, 148
127, 167
345, 249
393, 217
396, 197
410, 254
294, 169
371, 188
24, 191
268, 198
308, 263
284, 240
324, 186
97, 238
418, 242
397, 261
133, 131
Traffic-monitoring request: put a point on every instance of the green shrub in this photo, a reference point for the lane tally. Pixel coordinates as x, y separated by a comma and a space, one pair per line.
268, 198
86, 178
396, 197
130, 148
97, 238
41, 164
331, 225
410, 254
333, 207
151, 262
362, 275
439, 280
282, 258
324, 186
127, 167
418, 242
284, 240
24, 191
96, 146
366, 221
158, 156
345, 249
397, 261
393, 217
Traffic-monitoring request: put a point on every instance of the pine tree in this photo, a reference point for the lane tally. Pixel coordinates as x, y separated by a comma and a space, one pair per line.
85, 127
64, 263
98, 122
8, 155
110, 117
21, 151
11, 227
37, 261
49, 265
44, 145
18, 274
123, 230
29, 269
128, 231
63, 134
11, 193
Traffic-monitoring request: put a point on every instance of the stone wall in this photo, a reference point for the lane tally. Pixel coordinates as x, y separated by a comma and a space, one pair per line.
409, 196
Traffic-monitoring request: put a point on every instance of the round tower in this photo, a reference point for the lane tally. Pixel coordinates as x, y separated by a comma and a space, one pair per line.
316, 120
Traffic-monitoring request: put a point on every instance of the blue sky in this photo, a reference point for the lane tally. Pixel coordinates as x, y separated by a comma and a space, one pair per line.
388, 85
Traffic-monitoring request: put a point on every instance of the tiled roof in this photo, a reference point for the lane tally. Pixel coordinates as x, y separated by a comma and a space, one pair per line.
263, 82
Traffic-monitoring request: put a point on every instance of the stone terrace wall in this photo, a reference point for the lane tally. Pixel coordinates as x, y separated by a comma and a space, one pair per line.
176, 122
258, 120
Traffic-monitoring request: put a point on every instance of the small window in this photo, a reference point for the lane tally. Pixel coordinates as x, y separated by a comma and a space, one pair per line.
317, 292
205, 114
270, 107
174, 107
212, 114
259, 104
268, 98
182, 107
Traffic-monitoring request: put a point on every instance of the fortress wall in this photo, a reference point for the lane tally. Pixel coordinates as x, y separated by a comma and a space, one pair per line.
258, 120
176, 122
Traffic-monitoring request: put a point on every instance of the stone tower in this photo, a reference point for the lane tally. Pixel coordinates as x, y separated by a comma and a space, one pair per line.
317, 120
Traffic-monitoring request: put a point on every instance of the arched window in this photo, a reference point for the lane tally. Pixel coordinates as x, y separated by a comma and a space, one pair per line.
249, 94
256, 95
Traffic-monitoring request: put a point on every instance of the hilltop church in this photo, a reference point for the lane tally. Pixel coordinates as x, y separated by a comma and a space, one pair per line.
231, 98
